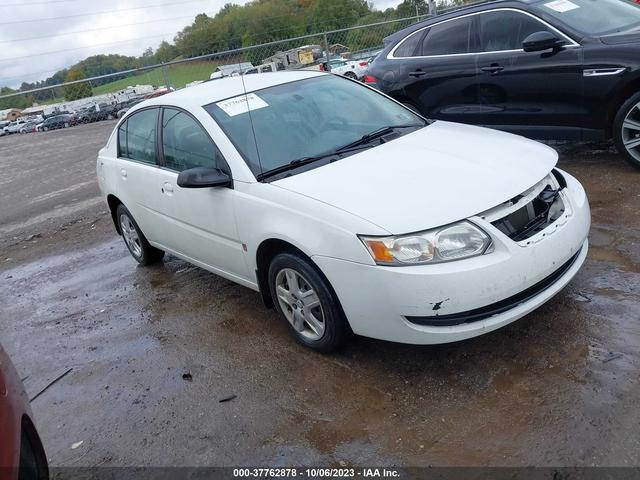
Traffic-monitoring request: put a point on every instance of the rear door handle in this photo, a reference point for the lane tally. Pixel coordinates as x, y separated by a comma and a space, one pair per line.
417, 74
492, 69
123, 172
167, 188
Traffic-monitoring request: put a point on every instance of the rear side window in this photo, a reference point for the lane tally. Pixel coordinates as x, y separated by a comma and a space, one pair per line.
186, 145
506, 30
449, 38
137, 136
409, 46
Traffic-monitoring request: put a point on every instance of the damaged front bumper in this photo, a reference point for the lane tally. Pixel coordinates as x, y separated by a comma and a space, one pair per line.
448, 302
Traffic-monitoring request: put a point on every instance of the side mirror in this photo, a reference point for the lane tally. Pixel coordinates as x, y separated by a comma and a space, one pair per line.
540, 41
201, 177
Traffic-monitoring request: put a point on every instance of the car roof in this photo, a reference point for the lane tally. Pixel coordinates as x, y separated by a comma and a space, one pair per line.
223, 88
455, 12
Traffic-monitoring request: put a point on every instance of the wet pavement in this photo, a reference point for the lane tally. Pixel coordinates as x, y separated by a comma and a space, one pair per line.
154, 350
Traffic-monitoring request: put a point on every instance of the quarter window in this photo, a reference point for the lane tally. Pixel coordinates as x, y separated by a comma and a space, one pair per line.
506, 30
409, 46
449, 38
186, 145
137, 136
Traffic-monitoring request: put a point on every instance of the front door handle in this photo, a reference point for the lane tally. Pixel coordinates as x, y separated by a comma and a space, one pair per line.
167, 188
493, 69
417, 74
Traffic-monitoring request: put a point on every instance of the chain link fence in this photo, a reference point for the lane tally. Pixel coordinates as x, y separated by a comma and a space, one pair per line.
104, 96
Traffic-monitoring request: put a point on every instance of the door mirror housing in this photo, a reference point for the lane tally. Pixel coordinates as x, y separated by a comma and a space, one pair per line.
540, 41
201, 177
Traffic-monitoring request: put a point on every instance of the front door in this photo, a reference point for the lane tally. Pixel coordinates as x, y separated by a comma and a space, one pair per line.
531, 93
199, 223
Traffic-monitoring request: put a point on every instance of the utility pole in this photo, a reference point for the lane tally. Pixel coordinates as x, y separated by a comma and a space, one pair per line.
432, 7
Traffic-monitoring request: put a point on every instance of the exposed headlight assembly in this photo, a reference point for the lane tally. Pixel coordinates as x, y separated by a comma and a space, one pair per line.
445, 244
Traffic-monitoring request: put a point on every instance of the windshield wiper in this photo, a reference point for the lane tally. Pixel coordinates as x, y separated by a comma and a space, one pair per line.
300, 162
381, 132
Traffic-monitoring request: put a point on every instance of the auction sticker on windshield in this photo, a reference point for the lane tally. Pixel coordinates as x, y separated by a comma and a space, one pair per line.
241, 104
562, 6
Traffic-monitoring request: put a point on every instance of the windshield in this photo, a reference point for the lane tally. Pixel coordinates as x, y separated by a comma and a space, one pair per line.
594, 17
304, 119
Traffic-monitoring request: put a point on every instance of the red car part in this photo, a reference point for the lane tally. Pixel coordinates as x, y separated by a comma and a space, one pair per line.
21, 451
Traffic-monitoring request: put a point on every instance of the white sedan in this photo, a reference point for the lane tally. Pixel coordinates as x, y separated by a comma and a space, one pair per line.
344, 209
349, 68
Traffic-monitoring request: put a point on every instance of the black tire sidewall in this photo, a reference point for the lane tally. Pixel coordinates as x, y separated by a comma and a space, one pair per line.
335, 322
149, 253
617, 129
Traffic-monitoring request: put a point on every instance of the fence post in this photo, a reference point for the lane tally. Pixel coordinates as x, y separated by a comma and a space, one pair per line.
432, 7
165, 74
326, 47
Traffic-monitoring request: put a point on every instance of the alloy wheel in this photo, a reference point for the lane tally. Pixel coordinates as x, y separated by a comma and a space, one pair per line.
631, 132
130, 235
300, 304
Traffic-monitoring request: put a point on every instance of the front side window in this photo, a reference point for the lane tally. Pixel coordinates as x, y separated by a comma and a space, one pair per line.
306, 118
506, 30
449, 38
594, 17
139, 141
185, 144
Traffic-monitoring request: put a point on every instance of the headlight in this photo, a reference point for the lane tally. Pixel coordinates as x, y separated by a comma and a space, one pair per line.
453, 242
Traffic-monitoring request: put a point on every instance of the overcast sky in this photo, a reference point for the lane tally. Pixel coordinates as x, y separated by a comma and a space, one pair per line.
70, 30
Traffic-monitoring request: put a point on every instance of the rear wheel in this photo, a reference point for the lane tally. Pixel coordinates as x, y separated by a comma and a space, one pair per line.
351, 75
137, 244
304, 298
626, 130
46, 129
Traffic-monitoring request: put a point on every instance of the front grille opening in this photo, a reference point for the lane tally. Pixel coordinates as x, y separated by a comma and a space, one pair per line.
534, 217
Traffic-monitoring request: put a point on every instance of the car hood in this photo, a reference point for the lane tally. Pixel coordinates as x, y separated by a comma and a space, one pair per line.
621, 38
431, 177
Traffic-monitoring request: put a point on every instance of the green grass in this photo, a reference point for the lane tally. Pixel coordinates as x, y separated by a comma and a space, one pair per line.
179, 76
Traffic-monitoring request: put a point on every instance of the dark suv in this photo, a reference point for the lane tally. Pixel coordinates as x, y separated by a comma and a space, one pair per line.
546, 69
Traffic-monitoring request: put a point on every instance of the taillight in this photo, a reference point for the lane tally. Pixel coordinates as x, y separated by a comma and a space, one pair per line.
322, 67
369, 79
364, 64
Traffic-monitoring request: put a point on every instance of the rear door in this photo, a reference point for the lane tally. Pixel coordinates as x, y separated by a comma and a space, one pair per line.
137, 171
438, 69
198, 223
531, 93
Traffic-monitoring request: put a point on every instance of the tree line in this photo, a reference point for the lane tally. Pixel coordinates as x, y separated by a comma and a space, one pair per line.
234, 26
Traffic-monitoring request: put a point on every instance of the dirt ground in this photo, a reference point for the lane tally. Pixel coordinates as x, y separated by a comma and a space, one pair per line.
153, 351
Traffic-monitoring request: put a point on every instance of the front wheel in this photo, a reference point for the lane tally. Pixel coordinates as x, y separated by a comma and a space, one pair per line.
304, 298
137, 244
626, 130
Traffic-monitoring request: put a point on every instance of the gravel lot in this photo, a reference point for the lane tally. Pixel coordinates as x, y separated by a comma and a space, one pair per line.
539, 392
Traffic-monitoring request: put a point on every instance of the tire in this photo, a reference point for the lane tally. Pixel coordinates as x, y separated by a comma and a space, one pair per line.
323, 326
46, 129
351, 75
626, 130
134, 239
